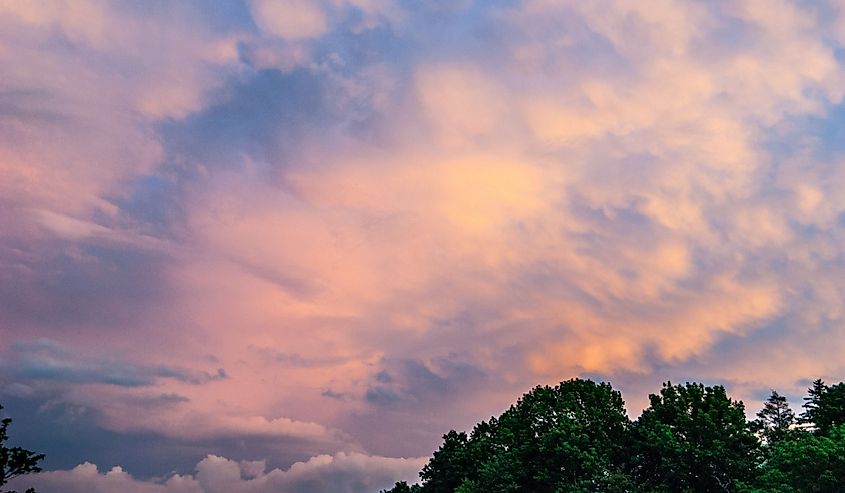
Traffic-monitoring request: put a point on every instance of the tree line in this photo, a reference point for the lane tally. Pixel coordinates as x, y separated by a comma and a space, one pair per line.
576, 438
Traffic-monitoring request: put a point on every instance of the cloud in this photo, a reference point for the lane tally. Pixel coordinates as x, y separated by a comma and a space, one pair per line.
333, 395
185, 423
71, 146
381, 396
290, 19
49, 360
461, 102
340, 472
387, 220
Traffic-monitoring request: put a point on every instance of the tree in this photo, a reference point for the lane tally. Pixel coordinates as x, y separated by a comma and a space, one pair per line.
576, 438
450, 466
811, 402
830, 408
567, 438
693, 438
806, 463
824, 406
15, 461
402, 487
776, 418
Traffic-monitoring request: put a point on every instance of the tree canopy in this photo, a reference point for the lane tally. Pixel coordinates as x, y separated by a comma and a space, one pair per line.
576, 437
692, 438
554, 439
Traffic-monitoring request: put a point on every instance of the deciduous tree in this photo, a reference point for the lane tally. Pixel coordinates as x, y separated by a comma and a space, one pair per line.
567, 438
806, 463
693, 438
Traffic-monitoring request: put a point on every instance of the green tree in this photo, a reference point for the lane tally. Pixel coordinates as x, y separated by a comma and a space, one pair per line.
806, 463
811, 402
567, 438
450, 465
830, 408
402, 487
776, 419
693, 438
15, 461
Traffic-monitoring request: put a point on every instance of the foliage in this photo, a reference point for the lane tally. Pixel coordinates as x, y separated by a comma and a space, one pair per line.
811, 402
567, 438
576, 438
776, 420
806, 463
558, 439
15, 461
830, 409
450, 465
402, 487
692, 438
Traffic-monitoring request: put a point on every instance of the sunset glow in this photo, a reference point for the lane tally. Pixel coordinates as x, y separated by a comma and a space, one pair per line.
284, 245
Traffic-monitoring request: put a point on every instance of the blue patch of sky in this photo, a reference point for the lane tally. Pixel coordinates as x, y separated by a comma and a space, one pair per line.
261, 117
831, 131
221, 17
824, 134
154, 203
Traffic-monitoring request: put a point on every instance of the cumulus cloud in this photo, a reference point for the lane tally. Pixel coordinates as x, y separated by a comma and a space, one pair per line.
351, 473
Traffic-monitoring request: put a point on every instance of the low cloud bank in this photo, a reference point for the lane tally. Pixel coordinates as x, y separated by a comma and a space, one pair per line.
342, 473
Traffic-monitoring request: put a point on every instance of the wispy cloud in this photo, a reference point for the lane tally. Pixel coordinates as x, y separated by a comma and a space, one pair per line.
49, 360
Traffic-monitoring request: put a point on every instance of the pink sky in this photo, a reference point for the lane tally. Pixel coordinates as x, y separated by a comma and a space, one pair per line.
272, 246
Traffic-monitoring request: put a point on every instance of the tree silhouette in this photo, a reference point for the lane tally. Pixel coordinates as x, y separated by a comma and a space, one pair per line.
830, 408
15, 461
776, 418
811, 402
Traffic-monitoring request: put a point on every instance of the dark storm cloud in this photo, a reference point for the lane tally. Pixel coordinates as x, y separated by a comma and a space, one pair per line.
49, 360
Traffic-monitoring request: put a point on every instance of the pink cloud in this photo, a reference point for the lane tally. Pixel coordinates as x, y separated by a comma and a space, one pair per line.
340, 472
581, 190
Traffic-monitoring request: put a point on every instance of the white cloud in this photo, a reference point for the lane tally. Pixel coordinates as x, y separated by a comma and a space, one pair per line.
349, 473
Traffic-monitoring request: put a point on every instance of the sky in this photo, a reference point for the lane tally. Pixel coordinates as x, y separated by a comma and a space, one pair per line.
283, 246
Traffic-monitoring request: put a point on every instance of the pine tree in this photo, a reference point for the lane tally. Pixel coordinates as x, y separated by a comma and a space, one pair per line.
776, 418
811, 404
830, 409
